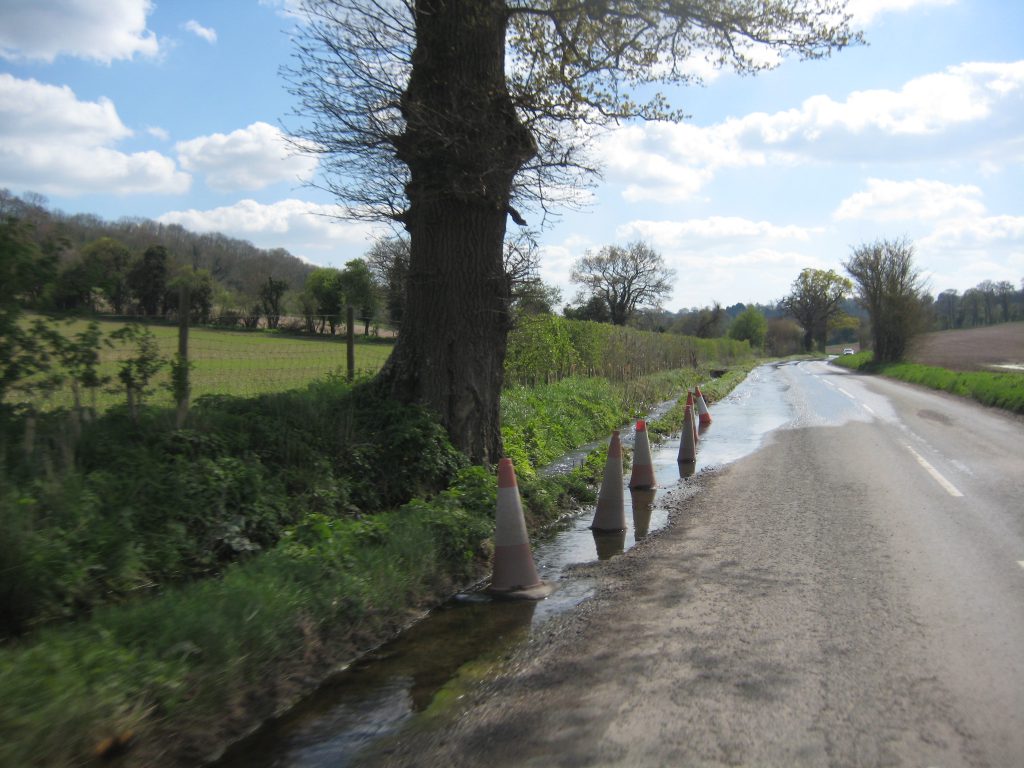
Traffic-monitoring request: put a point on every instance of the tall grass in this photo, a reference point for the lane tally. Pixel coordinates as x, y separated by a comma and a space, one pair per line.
195, 654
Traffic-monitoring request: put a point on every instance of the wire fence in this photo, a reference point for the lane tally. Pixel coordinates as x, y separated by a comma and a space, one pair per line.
224, 360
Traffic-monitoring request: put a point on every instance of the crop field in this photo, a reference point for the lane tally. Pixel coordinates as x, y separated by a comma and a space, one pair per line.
992, 348
224, 362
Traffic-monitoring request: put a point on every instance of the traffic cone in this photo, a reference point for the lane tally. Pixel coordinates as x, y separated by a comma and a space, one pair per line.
688, 443
642, 475
514, 575
693, 407
702, 409
611, 511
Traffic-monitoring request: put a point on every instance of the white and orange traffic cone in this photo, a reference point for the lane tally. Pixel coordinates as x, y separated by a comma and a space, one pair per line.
515, 574
702, 409
693, 407
642, 475
688, 443
611, 510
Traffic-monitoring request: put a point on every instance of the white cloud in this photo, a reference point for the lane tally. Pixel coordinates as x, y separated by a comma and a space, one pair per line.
916, 200
157, 132
960, 253
313, 231
249, 158
673, 234
206, 33
925, 105
42, 30
865, 11
669, 162
978, 232
53, 143
972, 110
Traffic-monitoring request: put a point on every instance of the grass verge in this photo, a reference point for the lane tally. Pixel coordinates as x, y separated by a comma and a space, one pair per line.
1000, 390
170, 678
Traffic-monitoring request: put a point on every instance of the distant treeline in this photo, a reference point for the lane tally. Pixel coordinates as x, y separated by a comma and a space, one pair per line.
987, 303
129, 266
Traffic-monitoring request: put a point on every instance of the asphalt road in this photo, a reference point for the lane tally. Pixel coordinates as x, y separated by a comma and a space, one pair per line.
852, 594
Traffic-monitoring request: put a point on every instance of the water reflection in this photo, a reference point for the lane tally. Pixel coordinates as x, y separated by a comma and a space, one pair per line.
643, 506
425, 669
609, 543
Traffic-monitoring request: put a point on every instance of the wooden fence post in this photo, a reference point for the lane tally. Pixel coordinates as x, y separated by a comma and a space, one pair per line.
179, 371
350, 341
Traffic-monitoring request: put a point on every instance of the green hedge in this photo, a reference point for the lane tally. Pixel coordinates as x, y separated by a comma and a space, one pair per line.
546, 348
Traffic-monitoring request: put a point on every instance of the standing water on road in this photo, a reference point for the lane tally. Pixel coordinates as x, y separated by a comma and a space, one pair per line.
431, 665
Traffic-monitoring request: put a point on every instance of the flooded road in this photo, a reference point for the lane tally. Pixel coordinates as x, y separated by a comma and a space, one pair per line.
417, 676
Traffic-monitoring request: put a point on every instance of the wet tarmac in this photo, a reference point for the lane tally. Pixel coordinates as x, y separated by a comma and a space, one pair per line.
422, 673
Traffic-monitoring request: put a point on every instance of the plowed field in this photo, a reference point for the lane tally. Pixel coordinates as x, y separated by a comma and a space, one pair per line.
994, 347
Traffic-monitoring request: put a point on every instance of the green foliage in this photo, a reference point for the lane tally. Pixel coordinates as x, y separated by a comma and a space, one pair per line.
200, 647
221, 362
750, 326
1000, 390
147, 279
892, 291
144, 504
325, 291
546, 348
540, 424
136, 372
816, 299
357, 287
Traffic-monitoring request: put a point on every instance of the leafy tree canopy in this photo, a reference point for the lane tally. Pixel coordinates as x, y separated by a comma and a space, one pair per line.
624, 278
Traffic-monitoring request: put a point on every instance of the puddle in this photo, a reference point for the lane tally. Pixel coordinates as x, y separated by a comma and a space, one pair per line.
425, 671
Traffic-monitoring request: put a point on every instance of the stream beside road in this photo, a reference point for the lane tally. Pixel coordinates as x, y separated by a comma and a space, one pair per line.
457, 646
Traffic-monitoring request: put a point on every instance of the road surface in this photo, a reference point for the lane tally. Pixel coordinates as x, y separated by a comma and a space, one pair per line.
852, 594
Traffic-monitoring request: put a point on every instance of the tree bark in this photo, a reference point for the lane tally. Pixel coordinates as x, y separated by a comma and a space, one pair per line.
463, 144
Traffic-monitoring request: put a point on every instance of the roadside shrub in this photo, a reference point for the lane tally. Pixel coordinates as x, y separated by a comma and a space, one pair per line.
139, 505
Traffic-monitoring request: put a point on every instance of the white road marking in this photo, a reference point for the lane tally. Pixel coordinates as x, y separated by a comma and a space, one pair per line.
947, 486
846, 393
868, 409
1020, 563
828, 382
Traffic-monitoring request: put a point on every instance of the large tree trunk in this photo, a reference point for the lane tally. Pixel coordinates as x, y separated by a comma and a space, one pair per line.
463, 144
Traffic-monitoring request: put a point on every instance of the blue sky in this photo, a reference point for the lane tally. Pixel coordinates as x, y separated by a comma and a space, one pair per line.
171, 110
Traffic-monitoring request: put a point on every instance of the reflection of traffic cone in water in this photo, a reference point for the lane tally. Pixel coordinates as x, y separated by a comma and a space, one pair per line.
643, 470
611, 511
609, 544
515, 574
702, 409
643, 504
688, 443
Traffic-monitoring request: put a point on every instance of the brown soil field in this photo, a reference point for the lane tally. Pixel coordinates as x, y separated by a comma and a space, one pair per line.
973, 349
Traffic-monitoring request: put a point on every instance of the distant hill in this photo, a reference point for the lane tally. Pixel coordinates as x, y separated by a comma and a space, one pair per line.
235, 264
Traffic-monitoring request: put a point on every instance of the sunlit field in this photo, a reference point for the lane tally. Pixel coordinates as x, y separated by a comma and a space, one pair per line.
224, 362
